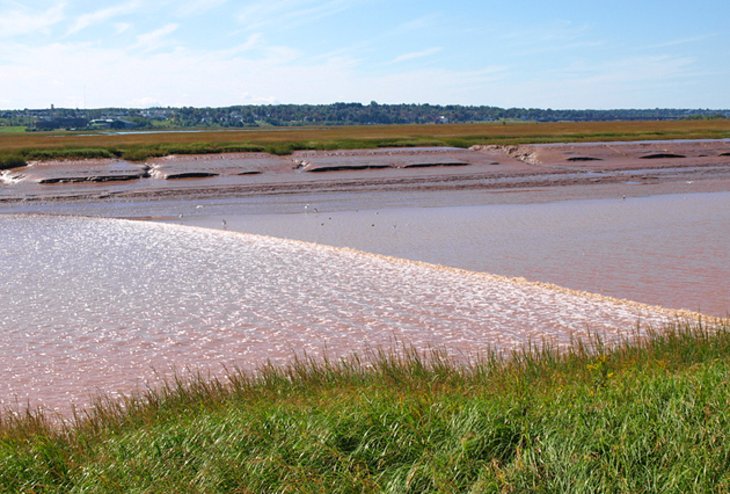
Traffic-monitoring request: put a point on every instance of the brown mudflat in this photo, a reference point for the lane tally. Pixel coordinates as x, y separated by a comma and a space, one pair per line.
385, 169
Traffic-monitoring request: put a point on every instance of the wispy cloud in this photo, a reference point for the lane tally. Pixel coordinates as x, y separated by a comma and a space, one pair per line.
414, 55
253, 41
422, 22
682, 41
639, 82
155, 39
556, 37
289, 13
21, 20
91, 19
629, 70
197, 7
548, 32
122, 27
218, 78
215, 52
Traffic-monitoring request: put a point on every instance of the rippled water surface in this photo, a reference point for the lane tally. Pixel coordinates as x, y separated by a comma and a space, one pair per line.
96, 304
670, 250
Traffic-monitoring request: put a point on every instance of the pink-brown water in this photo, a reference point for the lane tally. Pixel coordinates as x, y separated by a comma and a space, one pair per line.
96, 305
670, 250
93, 305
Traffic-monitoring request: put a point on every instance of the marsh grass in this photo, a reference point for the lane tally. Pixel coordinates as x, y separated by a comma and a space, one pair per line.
286, 140
69, 153
650, 415
11, 160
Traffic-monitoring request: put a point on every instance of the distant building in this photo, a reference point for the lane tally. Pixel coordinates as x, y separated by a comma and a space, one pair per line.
111, 123
69, 123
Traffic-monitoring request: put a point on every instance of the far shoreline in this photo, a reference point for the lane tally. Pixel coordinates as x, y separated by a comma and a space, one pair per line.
19, 149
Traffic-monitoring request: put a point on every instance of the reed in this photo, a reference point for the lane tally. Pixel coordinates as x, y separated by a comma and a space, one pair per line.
648, 415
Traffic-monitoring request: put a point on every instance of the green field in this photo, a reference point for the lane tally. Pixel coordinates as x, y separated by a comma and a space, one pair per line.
11, 129
648, 416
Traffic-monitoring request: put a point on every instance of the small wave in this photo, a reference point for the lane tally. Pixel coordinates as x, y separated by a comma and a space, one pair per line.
8, 177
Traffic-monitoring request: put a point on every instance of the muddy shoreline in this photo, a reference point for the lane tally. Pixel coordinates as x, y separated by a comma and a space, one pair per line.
617, 168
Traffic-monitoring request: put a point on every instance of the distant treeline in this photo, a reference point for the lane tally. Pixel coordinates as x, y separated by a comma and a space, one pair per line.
331, 114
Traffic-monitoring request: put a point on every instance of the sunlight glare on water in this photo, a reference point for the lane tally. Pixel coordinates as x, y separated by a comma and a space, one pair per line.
98, 305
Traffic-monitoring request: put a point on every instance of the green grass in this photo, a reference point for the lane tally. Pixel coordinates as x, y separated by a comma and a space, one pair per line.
648, 416
143, 152
12, 129
131, 153
68, 153
11, 160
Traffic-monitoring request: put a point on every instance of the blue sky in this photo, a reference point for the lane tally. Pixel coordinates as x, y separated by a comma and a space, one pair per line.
556, 54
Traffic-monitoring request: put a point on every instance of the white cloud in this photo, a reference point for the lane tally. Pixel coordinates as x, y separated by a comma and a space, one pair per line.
552, 38
99, 16
197, 7
424, 22
249, 99
122, 27
22, 21
634, 82
144, 102
414, 55
64, 73
630, 70
253, 41
155, 39
254, 70
289, 13
682, 41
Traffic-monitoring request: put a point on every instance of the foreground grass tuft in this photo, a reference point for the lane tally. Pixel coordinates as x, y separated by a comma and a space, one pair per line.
648, 416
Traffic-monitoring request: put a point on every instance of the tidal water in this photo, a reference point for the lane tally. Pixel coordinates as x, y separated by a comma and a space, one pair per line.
103, 305
671, 250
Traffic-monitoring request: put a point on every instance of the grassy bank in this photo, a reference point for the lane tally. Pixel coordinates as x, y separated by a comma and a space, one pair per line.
29, 146
12, 129
649, 416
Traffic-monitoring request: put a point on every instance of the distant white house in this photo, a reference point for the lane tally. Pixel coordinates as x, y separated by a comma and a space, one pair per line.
111, 123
